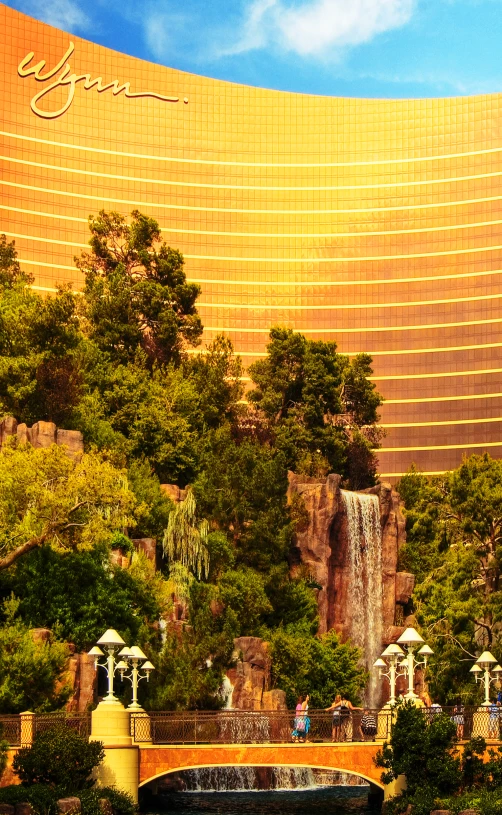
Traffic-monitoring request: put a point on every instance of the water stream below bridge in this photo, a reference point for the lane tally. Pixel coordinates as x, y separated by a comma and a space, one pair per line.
339, 800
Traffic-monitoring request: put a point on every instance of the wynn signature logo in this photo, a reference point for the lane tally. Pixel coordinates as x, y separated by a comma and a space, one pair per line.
68, 80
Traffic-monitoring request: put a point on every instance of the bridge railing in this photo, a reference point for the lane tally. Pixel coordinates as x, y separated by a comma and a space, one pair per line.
253, 727
80, 722
10, 729
272, 726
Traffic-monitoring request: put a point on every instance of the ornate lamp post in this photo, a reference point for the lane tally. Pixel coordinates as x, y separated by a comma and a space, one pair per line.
133, 657
410, 639
486, 664
111, 642
389, 658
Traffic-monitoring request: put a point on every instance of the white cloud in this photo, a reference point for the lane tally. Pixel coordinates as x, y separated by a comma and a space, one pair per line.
65, 14
315, 27
164, 30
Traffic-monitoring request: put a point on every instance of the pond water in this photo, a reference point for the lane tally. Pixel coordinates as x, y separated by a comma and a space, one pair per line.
320, 801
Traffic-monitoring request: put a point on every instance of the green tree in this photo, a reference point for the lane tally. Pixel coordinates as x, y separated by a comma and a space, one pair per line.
454, 526
48, 497
302, 388
136, 295
39, 373
422, 750
30, 670
320, 666
45, 581
242, 593
242, 487
359, 395
153, 506
186, 677
10, 271
185, 537
59, 757
216, 378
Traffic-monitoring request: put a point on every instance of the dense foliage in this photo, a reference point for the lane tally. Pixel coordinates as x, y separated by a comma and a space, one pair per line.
59, 757
438, 778
60, 763
454, 546
30, 668
113, 362
319, 666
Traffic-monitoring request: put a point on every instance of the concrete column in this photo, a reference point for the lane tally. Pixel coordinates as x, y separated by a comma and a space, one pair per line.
120, 767
395, 787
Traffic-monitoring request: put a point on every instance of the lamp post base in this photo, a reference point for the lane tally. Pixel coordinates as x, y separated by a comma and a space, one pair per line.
111, 724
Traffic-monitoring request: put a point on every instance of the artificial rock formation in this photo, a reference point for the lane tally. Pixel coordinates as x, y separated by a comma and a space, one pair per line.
42, 434
322, 547
250, 678
81, 676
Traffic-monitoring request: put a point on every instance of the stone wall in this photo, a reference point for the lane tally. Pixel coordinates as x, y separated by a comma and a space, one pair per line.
321, 547
42, 434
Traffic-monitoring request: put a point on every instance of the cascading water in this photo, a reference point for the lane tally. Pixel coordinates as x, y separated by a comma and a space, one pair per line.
365, 581
220, 779
244, 779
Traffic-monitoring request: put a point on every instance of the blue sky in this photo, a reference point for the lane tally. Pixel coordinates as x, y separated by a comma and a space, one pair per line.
375, 48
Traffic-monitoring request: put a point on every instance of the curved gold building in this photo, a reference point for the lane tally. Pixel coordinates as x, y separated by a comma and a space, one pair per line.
374, 223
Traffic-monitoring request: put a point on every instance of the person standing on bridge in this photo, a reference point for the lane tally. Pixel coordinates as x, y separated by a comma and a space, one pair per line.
342, 709
301, 718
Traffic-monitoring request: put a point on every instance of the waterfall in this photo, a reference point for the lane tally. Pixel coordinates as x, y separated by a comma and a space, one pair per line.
226, 692
292, 778
365, 581
220, 779
245, 779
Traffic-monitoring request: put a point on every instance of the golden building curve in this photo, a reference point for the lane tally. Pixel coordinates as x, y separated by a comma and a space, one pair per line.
375, 223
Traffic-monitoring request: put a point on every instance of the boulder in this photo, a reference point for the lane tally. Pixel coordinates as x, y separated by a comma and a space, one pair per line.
405, 583
73, 440
251, 676
8, 427
274, 700
105, 806
148, 547
173, 492
80, 676
120, 558
71, 805
24, 808
41, 635
42, 434
7, 809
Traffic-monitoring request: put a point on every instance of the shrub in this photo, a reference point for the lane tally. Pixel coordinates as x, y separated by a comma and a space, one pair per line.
59, 757
122, 803
44, 799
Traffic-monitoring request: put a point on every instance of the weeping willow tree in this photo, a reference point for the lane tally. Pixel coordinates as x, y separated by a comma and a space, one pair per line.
185, 538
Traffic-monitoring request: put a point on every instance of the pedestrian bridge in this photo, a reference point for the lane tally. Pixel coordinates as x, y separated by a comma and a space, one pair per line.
141, 748
177, 741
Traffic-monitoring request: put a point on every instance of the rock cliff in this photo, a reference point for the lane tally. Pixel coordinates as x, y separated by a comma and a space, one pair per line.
322, 547
42, 434
250, 679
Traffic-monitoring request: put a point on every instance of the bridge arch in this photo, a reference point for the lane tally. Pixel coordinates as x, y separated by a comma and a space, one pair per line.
288, 766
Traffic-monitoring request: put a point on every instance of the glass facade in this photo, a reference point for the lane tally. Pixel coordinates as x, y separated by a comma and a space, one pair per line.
374, 223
